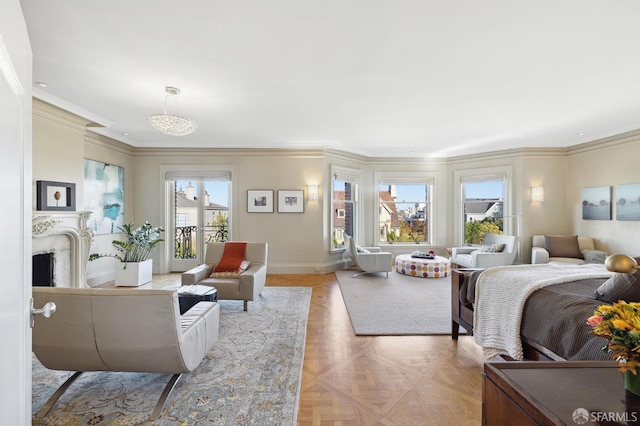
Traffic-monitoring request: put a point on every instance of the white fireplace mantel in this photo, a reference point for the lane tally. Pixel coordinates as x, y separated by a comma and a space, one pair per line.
73, 225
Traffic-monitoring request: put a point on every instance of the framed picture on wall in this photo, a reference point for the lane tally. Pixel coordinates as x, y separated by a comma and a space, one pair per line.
55, 195
596, 203
628, 201
291, 201
260, 201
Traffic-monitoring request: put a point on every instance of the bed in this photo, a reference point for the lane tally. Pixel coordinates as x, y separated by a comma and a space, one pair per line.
534, 312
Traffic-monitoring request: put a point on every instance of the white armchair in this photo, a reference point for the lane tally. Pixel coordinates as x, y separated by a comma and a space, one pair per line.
482, 256
368, 259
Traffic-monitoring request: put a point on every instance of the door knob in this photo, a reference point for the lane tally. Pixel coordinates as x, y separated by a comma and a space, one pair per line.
46, 311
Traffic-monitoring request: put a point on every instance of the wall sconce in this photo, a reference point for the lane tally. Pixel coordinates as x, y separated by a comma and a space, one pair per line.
537, 194
312, 192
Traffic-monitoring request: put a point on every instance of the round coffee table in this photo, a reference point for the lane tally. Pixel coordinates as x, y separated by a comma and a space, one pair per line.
422, 268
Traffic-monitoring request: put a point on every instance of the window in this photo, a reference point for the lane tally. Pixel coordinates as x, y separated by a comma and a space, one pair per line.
182, 219
201, 212
483, 207
343, 205
404, 211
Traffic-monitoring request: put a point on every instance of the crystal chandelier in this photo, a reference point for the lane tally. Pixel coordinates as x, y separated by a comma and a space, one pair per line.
170, 124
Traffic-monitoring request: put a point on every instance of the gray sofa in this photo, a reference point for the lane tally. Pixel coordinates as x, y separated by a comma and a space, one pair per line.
565, 249
127, 330
246, 288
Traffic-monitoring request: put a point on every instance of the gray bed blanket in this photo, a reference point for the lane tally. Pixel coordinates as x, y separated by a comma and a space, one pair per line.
554, 318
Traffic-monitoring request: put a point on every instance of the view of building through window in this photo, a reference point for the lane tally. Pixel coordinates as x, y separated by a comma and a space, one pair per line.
404, 213
200, 218
343, 211
483, 209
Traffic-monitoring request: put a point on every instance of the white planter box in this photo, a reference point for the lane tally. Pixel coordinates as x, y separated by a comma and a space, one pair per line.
134, 274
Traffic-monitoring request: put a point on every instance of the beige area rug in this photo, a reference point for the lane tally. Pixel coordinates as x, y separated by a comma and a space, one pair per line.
398, 305
251, 376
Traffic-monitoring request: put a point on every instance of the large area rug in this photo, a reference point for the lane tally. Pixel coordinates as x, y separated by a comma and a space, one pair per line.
251, 376
398, 305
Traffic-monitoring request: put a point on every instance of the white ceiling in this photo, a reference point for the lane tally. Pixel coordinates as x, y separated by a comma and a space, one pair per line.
372, 77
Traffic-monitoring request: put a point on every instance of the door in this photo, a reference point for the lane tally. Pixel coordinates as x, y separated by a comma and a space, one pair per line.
15, 226
200, 215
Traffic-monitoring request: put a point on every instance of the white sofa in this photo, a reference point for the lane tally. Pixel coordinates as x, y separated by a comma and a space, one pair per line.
479, 257
246, 288
565, 249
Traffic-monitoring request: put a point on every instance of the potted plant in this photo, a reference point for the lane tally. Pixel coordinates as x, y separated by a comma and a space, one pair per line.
133, 253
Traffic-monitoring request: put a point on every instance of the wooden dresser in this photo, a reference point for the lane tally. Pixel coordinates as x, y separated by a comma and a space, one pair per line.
550, 392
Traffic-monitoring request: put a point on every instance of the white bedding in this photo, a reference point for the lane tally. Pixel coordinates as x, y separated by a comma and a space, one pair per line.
501, 293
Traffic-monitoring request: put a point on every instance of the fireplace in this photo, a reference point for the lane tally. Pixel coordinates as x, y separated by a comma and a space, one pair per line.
43, 270
61, 244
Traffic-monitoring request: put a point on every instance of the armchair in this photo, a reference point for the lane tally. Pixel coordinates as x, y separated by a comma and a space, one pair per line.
245, 288
125, 330
368, 259
482, 256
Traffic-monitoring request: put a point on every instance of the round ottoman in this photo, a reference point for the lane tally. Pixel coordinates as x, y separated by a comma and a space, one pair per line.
422, 268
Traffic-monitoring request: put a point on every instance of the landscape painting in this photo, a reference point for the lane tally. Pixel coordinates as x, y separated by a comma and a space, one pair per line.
104, 196
628, 202
596, 203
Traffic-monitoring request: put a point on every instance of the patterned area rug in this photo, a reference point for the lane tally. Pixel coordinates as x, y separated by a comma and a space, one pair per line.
251, 376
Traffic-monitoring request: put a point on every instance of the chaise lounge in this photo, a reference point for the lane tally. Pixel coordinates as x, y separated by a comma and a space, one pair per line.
125, 330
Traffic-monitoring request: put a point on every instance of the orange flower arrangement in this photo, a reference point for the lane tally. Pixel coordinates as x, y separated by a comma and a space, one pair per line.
620, 323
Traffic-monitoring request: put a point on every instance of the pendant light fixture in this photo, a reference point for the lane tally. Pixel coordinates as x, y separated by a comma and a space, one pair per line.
170, 124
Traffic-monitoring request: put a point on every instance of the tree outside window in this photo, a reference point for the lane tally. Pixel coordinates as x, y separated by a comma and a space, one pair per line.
404, 212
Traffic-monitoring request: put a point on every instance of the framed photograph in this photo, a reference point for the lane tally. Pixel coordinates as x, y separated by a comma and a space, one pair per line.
628, 201
596, 203
104, 196
55, 195
291, 201
259, 201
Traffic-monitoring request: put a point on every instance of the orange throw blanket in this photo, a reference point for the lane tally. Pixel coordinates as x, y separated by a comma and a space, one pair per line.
232, 257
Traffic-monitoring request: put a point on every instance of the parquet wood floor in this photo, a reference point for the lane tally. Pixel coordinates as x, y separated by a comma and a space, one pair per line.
377, 380
381, 380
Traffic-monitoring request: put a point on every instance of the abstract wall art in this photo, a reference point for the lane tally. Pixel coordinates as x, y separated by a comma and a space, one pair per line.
104, 196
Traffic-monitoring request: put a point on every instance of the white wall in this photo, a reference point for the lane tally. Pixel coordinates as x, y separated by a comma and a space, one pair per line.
609, 162
295, 239
299, 243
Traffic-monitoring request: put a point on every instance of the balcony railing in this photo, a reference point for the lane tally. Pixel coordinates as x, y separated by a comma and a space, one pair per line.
186, 239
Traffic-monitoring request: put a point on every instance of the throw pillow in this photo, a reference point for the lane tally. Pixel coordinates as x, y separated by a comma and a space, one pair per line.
620, 287
492, 248
595, 256
231, 274
562, 246
362, 250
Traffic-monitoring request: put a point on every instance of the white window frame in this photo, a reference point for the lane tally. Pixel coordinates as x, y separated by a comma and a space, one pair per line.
170, 173
407, 178
511, 222
353, 176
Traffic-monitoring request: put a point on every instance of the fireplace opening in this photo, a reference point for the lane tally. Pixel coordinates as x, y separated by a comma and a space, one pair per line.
43, 274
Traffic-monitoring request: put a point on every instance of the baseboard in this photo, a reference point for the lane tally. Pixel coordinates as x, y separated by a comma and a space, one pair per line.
305, 268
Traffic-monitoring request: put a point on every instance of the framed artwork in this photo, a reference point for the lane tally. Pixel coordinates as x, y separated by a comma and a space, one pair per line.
55, 195
104, 196
596, 203
260, 201
628, 202
291, 201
